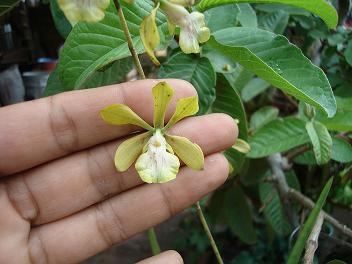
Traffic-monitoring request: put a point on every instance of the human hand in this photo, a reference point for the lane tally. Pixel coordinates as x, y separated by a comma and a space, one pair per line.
62, 199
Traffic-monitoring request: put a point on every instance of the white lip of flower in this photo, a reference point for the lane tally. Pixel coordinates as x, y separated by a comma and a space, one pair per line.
157, 164
192, 25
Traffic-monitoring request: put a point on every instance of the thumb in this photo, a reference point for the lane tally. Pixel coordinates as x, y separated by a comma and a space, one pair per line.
170, 257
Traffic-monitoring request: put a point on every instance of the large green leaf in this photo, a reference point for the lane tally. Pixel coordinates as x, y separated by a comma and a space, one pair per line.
62, 25
318, 7
342, 121
239, 77
321, 141
263, 116
91, 46
273, 210
247, 16
275, 21
229, 102
54, 85
277, 136
7, 5
195, 70
239, 216
111, 74
341, 150
221, 17
278, 62
298, 248
253, 88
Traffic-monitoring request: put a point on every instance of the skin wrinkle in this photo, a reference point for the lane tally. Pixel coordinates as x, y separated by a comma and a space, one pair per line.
106, 219
33, 208
166, 199
36, 248
62, 126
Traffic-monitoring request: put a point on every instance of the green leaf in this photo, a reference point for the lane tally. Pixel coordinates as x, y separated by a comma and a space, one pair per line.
278, 136
7, 5
110, 74
342, 121
197, 71
229, 102
239, 77
91, 46
253, 88
321, 141
62, 25
239, 216
247, 16
291, 10
341, 150
263, 116
318, 7
298, 248
273, 210
54, 85
348, 52
221, 17
307, 158
278, 62
275, 22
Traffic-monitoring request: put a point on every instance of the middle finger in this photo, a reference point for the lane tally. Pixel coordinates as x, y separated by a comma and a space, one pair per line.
65, 186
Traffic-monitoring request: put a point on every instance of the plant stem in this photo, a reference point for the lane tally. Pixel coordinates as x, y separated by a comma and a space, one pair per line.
151, 233
129, 39
153, 241
208, 233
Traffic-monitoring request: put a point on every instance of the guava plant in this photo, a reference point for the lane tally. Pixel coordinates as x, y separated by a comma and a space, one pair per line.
237, 58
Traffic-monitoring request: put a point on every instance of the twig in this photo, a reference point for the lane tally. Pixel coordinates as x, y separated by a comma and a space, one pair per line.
208, 233
151, 233
129, 39
279, 178
336, 241
276, 162
297, 152
312, 242
308, 203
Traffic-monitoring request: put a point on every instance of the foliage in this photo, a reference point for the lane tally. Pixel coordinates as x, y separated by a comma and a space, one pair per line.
282, 72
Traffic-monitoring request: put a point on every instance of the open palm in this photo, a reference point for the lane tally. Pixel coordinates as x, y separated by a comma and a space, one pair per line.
62, 199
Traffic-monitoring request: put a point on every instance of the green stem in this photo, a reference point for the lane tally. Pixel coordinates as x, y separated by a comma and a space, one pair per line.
208, 233
129, 39
153, 241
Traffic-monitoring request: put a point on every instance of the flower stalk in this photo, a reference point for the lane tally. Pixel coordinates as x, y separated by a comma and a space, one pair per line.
131, 47
153, 240
208, 233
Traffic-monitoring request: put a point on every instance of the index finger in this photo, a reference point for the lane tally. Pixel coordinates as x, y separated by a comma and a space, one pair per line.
35, 132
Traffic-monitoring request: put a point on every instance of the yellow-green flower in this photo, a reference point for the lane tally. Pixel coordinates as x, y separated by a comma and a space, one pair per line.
192, 27
83, 10
155, 149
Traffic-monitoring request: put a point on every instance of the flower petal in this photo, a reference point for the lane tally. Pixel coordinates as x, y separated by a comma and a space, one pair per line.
84, 10
190, 153
162, 93
129, 150
188, 42
119, 114
241, 146
150, 35
184, 107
